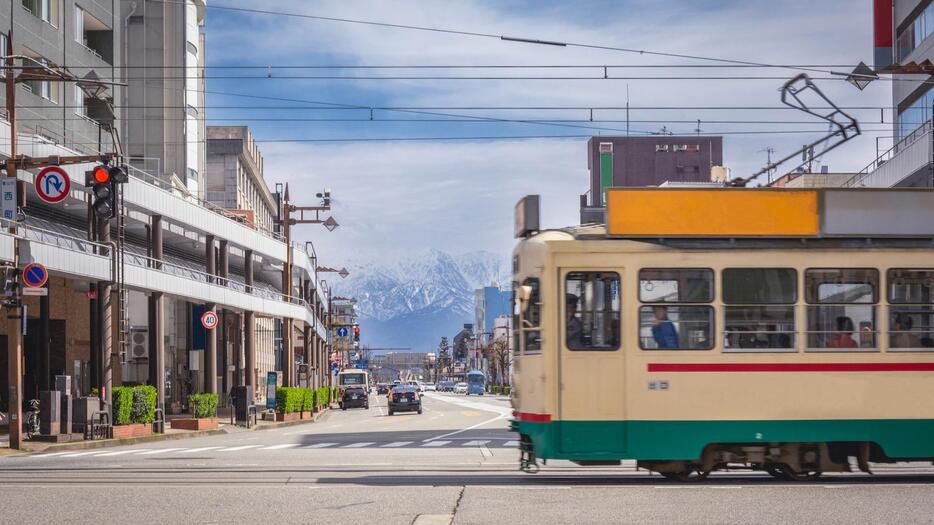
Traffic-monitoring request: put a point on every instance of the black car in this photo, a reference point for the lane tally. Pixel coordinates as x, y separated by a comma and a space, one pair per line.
354, 397
404, 398
382, 388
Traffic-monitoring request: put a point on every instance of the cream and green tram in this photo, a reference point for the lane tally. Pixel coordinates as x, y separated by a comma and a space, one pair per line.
780, 330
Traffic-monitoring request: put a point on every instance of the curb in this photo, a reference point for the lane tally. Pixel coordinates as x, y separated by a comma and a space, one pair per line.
104, 443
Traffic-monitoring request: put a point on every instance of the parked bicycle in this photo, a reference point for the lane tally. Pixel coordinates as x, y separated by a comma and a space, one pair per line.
31, 419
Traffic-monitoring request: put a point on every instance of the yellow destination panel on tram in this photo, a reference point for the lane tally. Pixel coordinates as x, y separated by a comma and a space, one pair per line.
721, 212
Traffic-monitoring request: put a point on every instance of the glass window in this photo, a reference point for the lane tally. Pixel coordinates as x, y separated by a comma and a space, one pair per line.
675, 285
532, 318
846, 318
911, 327
592, 305
663, 327
759, 286
841, 285
747, 328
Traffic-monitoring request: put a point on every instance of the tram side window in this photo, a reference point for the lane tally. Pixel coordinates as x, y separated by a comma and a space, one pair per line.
911, 308
841, 312
664, 326
759, 313
532, 319
592, 306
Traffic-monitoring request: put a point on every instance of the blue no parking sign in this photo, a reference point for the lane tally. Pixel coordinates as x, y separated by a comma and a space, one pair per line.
35, 275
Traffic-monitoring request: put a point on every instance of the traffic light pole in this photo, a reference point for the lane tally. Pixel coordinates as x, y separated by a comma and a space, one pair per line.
14, 347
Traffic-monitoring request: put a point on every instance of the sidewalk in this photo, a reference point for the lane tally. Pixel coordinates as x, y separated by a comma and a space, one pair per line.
170, 434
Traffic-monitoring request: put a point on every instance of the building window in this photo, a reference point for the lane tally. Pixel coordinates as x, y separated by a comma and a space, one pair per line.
841, 314
760, 313
193, 49
81, 107
192, 174
45, 9
911, 309
43, 88
915, 32
592, 306
79, 25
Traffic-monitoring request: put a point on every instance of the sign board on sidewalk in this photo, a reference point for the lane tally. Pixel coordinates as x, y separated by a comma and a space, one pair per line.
271, 380
8, 198
53, 184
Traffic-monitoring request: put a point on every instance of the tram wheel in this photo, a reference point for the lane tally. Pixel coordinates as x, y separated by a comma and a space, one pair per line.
775, 471
804, 475
693, 473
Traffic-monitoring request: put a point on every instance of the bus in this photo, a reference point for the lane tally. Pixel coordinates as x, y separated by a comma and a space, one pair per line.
789, 331
353, 377
476, 382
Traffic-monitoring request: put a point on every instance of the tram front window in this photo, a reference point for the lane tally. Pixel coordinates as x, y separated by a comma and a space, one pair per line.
760, 312
592, 305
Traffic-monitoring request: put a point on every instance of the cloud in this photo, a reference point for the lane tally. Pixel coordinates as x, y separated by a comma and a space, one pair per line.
459, 196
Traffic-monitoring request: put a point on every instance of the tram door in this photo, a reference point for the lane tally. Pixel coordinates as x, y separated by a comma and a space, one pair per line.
591, 362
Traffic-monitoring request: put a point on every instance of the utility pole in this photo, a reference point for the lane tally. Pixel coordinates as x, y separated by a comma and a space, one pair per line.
43, 73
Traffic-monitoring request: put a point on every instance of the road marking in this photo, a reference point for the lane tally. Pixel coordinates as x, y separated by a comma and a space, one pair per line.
280, 447
435, 443
396, 444
159, 451
51, 454
241, 447
202, 449
511, 444
359, 445
321, 445
77, 454
476, 443
122, 452
449, 434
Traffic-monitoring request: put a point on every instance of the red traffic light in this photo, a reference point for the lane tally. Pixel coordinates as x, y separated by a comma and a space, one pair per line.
101, 175
356, 330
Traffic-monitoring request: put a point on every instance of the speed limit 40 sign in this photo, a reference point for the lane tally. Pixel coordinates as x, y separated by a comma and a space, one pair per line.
209, 319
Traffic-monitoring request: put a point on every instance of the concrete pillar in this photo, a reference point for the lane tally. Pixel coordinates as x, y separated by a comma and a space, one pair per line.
210, 357
223, 265
45, 337
211, 262
155, 241
288, 355
248, 270
157, 336
249, 348
225, 346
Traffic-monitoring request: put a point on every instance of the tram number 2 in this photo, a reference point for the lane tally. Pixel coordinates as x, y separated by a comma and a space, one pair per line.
658, 385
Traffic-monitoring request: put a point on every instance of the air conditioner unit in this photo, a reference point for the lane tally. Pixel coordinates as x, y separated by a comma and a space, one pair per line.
139, 344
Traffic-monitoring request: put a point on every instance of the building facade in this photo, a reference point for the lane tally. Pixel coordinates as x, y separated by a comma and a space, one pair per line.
648, 161
490, 302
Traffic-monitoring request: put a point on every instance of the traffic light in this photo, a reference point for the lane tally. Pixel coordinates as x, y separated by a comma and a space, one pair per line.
103, 193
356, 333
9, 275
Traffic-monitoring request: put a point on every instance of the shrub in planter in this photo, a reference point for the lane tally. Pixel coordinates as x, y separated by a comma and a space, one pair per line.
122, 405
144, 404
308, 402
289, 399
203, 405
322, 397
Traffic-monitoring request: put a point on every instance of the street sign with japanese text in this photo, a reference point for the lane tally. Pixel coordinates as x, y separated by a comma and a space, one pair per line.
8, 198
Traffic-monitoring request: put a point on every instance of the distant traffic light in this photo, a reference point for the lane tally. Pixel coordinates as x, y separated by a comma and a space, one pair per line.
103, 182
356, 333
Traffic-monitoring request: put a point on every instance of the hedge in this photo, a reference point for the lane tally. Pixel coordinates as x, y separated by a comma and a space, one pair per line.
322, 396
308, 402
203, 405
134, 404
291, 399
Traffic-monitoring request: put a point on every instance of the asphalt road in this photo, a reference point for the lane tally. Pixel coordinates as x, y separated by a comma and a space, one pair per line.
456, 462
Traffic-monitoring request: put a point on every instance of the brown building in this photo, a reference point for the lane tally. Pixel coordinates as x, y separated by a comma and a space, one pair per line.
648, 161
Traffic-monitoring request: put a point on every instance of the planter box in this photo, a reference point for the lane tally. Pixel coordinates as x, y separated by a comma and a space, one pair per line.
306, 415
291, 416
204, 423
132, 430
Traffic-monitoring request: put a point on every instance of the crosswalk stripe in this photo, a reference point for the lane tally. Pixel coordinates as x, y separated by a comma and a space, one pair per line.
121, 452
49, 455
477, 443
511, 444
202, 449
321, 445
435, 443
280, 447
241, 447
159, 451
396, 444
359, 445
77, 454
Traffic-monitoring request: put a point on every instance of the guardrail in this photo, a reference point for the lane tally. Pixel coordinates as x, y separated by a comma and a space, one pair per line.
889, 154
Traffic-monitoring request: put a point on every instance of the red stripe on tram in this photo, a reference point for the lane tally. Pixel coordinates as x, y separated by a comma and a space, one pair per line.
790, 367
534, 418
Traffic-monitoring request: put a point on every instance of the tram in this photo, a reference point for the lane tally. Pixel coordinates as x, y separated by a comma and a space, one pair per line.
790, 331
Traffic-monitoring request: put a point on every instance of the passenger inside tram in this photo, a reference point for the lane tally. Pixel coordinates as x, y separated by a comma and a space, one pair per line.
663, 330
901, 335
843, 338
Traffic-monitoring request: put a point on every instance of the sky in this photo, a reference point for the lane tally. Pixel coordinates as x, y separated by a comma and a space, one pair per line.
395, 197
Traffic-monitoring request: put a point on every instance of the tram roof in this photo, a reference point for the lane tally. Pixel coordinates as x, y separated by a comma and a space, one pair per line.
678, 212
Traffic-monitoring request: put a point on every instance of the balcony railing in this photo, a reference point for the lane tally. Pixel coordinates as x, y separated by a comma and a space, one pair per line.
860, 178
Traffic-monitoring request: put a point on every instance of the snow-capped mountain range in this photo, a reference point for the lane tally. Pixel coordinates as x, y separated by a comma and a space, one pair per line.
415, 300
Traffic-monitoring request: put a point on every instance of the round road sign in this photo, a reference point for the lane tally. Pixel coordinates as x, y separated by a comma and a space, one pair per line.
35, 275
53, 184
209, 319
341, 331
